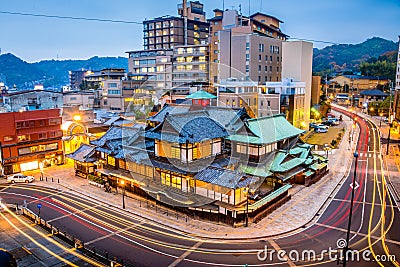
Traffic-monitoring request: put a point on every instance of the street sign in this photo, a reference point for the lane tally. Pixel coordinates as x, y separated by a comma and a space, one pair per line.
357, 185
39, 206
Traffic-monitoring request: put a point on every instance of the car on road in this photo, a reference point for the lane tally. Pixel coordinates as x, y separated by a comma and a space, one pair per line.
321, 130
20, 178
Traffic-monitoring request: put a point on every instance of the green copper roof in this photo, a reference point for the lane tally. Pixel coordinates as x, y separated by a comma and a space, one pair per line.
267, 130
256, 171
201, 95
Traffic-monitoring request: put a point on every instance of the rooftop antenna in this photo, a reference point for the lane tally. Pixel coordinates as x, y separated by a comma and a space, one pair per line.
223, 5
261, 2
249, 8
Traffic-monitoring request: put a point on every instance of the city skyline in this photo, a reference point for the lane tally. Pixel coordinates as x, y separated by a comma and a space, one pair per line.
38, 38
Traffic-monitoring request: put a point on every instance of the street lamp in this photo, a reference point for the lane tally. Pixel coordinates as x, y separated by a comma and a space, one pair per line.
380, 123
351, 210
326, 148
388, 138
123, 193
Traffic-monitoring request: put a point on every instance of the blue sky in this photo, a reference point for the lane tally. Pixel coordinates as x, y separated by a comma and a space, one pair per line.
34, 38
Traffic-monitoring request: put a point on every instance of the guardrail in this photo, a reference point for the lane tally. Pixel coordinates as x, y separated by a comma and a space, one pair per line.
99, 255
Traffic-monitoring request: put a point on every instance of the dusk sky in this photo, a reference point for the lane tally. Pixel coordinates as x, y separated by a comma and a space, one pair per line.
37, 38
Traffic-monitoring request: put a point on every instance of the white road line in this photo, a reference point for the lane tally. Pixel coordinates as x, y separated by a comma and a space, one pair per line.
184, 255
363, 208
278, 248
361, 234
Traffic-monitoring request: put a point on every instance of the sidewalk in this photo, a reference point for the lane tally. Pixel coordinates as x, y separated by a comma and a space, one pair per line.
298, 212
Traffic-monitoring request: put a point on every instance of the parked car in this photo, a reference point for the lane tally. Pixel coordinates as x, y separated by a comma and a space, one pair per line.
20, 178
327, 123
322, 126
313, 125
321, 130
330, 115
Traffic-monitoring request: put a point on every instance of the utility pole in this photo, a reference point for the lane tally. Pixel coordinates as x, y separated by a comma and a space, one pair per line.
346, 248
389, 117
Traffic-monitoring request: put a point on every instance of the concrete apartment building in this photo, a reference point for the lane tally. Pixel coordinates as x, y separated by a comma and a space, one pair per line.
396, 109
292, 100
30, 100
249, 56
152, 66
76, 77
108, 89
297, 65
191, 28
82, 99
315, 90
258, 100
190, 66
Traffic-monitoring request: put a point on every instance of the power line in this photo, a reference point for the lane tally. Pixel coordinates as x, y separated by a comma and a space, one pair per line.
315, 41
123, 21
68, 17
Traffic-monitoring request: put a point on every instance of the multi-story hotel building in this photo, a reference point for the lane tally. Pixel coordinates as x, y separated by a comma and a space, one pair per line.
191, 28
30, 140
234, 23
152, 66
190, 65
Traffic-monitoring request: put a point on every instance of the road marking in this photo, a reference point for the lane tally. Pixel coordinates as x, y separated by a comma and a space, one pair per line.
71, 213
113, 233
361, 234
27, 250
184, 255
360, 202
278, 248
356, 185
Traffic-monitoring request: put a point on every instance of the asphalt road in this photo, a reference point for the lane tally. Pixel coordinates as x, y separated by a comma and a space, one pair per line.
374, 231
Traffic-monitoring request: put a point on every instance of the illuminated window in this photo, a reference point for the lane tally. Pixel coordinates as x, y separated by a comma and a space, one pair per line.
24, 137
8, 138
190, 50
181, 51
111, 161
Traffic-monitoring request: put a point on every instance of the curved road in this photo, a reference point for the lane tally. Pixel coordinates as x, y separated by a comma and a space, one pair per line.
374, 238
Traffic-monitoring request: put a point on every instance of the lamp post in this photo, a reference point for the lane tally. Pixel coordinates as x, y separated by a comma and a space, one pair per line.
326, 148
380, 122
351, 210
388, 139
123, 193
247, 206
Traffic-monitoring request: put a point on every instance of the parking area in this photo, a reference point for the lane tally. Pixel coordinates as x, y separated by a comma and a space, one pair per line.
326, 138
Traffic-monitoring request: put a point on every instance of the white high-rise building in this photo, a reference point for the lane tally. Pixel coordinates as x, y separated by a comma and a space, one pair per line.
398, 68
297, 64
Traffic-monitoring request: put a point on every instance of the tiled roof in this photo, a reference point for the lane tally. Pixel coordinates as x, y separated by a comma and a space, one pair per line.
373, 93
83, 154
223, 177
267, 130
190, 127
167, 109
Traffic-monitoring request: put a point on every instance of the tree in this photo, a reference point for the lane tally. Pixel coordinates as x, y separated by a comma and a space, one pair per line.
379, 68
